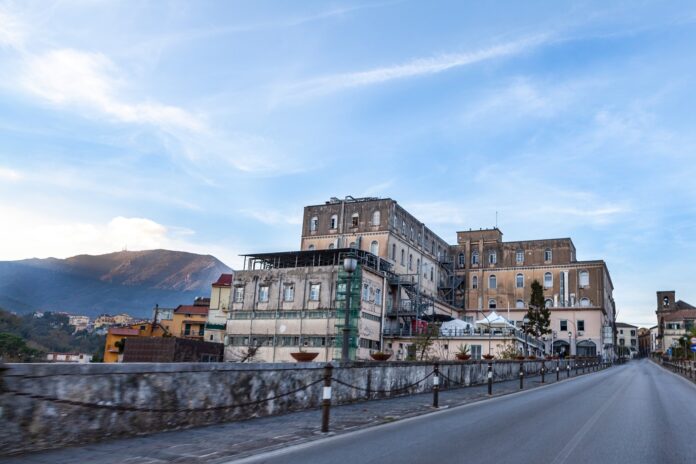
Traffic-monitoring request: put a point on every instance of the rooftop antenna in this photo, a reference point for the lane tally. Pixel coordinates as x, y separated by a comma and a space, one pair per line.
496, 219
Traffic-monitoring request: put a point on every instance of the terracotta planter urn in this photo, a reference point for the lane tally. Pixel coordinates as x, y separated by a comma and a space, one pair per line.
488, 356
304, 356
380, 356
463, 357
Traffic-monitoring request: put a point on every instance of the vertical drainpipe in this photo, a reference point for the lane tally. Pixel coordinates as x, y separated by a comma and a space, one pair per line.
384, 308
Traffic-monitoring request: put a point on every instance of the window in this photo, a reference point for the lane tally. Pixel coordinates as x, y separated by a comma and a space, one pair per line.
314, 224
394, 251
584, 278
564, 325
491, 304
263, 294
374, 247
581, 326
431, 274
403, 227
519, 304
403, 253
412, 235
366, 292
548, 280
633, 333
355, 219
288, 292
352, 245
310, 248
378, 296
334, 222
475, 351
331, 246
314, 291
519, 256
492, 257
584, 302
418, 265
396, 222
461, 259
410, 262
492, 282
519, 281
376, 218
474, 257
548, 303
238, 294
548, 255
474, 282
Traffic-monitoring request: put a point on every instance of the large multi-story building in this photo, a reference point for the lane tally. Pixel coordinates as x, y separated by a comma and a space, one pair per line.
675, 318
627, 339
407, 276
497, 275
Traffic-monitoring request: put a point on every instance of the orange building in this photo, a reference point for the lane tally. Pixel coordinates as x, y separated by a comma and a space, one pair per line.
113, 349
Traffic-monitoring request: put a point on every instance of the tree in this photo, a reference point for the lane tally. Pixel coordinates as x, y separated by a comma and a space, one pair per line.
14, 349
538, 314
424, 342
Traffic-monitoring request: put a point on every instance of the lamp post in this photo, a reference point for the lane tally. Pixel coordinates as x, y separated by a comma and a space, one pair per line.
349, 265
525, 327
570, 339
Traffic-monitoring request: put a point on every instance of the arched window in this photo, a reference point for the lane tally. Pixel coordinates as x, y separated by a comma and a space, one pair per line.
410, 262
548, 254
394, 251
548, 303
492, 257
314, 224
492, 282
355, 220
432, 274
584, 302
491, 304
519, 281
461, 259
519, 304
548, 280
584, 279
376, 218
403, 254
352, 245
310, 247
519, 256
475, 257
334, 222
374, 247
474, 282
331, 246
418, 265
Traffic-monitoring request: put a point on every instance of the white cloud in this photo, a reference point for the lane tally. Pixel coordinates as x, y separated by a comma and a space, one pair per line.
271, 217
413, 68
12, 30
74, 78
9, 174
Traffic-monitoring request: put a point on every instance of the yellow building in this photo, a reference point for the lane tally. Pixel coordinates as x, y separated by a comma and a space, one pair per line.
113, 349
188, 321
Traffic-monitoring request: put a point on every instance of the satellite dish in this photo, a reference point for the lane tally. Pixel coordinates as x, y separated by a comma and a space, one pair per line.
282, 328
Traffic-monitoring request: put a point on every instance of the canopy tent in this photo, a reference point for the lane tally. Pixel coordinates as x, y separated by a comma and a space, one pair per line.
495, 320
454, 327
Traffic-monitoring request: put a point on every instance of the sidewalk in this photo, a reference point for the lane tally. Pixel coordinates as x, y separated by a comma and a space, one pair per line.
224, 442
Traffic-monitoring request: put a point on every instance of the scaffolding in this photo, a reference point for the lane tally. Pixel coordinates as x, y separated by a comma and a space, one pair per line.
342, 292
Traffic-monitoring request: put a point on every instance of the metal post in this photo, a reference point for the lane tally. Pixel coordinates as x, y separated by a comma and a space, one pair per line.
326, 398
543, 364
568, 368
521, 375
490, 378
558, 371
436, 386
345, 352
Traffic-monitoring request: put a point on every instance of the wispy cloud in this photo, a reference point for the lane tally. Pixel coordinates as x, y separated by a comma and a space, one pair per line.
414, 68
271, 217
8, 174
12, 30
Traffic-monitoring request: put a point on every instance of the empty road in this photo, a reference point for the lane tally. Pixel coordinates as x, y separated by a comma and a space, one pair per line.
635, 413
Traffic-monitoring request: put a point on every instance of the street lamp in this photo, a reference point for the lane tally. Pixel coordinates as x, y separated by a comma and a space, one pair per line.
570, 351
525, 326
349, 265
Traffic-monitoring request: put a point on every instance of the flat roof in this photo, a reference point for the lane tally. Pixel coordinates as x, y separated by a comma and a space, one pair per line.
312, 258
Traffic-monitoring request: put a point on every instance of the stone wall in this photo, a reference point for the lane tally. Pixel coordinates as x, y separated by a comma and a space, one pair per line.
54, 405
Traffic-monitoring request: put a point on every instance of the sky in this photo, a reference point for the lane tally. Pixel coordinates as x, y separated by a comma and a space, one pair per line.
208, 126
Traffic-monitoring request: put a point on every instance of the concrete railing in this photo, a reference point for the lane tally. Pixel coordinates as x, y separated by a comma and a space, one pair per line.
55, 405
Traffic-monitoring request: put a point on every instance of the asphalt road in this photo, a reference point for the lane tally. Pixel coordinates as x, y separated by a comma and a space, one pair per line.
635, 413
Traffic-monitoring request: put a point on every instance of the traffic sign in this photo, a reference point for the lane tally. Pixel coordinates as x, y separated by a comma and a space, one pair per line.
693, 340
669, 351
693, 348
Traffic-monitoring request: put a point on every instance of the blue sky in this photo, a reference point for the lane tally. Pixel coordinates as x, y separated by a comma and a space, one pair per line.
207, 126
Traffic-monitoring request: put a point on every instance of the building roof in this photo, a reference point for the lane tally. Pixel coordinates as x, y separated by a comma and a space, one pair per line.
623, 324
123, 331
312, 258
683, 305
192, 309
225, 280
679, 315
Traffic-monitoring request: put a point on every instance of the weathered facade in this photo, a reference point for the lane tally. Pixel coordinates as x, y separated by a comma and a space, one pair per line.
675, 318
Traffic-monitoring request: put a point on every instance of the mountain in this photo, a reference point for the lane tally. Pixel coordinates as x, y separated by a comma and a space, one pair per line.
125, 281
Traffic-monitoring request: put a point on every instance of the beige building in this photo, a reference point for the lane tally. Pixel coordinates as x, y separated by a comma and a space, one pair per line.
220, 302
675, 318
627, 339
494, 274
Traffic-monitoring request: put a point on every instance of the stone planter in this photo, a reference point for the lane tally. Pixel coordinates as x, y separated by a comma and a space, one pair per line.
304, 356
488, 357
463, 357
380, 356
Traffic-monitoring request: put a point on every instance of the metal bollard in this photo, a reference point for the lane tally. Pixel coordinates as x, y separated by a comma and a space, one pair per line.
543, 364
568, 369
558, 371
436, 386
490, 378
326, 398
521, 375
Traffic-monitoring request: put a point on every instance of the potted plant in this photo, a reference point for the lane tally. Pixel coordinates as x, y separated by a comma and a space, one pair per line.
463, 353
303, 356
531, 356
380, 356
488, 356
